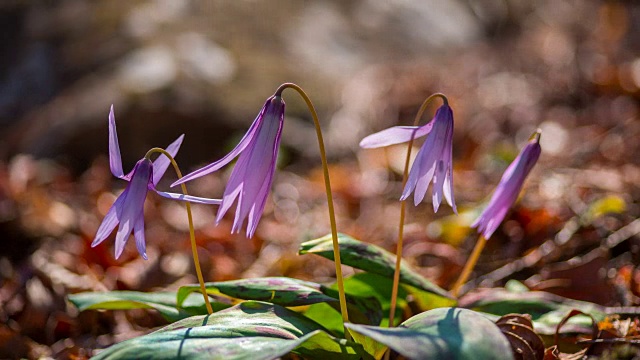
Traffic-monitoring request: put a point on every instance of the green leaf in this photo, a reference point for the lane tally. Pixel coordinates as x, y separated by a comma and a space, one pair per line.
164, 302
443, 333
292, 292
324, 346
380, 288
546, 309
327, 316
278, 290
424, 300
250, 330
249, 315
370, 258
362, 307
370, 345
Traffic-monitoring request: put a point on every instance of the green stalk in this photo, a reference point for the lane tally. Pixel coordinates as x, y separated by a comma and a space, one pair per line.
192, 235
332, 216
469, 265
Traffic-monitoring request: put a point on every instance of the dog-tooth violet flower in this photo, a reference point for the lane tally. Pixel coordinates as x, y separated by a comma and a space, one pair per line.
252, 175
501, 201
251, 178
433, 161
508, 188
127, 210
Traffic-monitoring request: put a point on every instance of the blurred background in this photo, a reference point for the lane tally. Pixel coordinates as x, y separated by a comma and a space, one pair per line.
204, 68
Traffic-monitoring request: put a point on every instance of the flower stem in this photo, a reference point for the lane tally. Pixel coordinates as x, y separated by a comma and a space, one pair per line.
405, 175
192, 235
332, 216
469, 265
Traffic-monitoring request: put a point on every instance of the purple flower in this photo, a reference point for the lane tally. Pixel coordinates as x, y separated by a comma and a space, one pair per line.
433, 161
252, 176
128, 209
508, 189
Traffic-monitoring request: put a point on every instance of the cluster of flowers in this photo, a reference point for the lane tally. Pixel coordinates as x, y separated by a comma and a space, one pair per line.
252, 176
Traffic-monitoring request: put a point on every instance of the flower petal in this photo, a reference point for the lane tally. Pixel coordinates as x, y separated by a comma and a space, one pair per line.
423, 184
256, 210
244, 142
252, 175
448, 180
115, 160
110, 220
259, 169
133, 206
189, 198
422, 169
161, 164
448, 191
227, 201
395, 135
433, 162
138, 233
438, 182
508, 188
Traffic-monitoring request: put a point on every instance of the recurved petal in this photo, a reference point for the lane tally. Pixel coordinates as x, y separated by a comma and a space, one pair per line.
189, 198
110, 220
395, 135
115, 160
162, 162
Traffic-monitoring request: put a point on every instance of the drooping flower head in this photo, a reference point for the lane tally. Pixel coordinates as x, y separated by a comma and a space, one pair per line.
433, 161
509, 187
252, 175
128, 209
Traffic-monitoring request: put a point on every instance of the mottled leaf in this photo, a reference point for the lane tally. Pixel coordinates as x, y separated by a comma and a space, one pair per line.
547, 310
290, 292
278, 290
327, 316
379, 290
370, 258
379, 287
164, 302
362, 308
444, 333
250, 330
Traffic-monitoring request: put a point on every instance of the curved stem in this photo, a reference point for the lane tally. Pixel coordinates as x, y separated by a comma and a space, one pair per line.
405, 175
192, 235
482, 241
468, 266
332, 216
